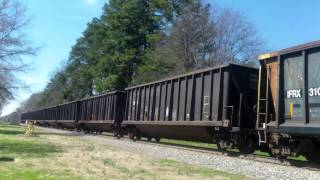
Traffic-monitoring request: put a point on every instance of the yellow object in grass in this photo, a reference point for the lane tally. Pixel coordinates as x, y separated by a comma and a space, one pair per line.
29, 128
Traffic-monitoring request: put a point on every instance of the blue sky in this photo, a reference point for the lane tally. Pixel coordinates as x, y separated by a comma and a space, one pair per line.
280, 23
54, 27
56, 24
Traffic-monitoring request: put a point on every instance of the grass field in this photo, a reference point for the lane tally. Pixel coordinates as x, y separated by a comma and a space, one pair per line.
59, 156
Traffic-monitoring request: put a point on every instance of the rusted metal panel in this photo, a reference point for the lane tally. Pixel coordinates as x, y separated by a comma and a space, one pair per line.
273, 65
273, 78
294, 84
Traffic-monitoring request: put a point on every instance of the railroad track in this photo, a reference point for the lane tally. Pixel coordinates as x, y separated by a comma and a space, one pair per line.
265, 159
284, 162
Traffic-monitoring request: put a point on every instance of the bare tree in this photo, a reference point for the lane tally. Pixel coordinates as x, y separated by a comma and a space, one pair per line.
32, 103
209, 35
193, 36
13, 45
236, 39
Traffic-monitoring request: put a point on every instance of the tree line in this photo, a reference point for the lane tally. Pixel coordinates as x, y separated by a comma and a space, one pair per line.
137, 41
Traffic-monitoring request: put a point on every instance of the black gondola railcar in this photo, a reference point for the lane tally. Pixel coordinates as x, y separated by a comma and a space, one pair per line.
97, 113
101, 113
67, 115
43, 117
215, 104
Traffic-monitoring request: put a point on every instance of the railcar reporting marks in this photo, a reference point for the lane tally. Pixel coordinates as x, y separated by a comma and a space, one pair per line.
297, 93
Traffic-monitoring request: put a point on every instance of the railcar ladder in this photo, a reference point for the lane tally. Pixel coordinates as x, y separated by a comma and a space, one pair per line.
262, 106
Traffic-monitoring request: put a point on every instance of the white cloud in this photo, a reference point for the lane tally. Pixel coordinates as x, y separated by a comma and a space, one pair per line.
90, 2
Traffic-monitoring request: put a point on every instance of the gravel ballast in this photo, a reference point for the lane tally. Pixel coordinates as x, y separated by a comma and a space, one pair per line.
251, 168
225, 163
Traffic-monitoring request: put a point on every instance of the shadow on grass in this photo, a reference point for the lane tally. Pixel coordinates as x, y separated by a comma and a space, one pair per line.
6, 159
3, 125
26, 148
7, 129
10, 132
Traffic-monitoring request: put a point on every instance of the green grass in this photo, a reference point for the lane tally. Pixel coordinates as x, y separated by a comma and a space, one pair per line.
113, 164
109, 162
10, 132
14, 174
57, 156
25, 174
13, 143
10, 126
17, 152
26, 148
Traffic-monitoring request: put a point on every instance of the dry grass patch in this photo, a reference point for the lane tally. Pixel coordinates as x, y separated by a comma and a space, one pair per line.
77, 157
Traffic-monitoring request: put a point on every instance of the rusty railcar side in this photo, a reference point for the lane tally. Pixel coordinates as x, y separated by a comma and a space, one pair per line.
292, 111
294, 83
194, 105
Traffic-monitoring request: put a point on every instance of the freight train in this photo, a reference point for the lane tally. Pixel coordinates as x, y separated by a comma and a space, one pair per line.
275, 108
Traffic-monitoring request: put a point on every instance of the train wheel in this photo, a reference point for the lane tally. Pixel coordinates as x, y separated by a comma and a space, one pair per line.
245, 149
313, 157
280, 151
313, 154
131, 136
222, 146
149, 138
224, 143
138, 137
116, 134
279, 146
157, 139
247, 146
